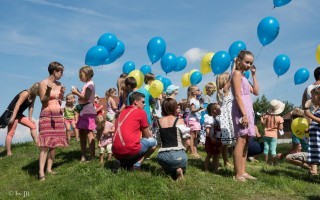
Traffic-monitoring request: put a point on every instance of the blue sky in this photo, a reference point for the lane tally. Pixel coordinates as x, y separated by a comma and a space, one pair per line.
35, 32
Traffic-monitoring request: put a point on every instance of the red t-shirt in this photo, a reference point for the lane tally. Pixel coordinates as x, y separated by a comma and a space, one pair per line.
131, 132
96, 106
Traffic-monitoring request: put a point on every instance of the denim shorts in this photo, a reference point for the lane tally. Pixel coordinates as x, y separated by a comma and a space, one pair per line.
172, 160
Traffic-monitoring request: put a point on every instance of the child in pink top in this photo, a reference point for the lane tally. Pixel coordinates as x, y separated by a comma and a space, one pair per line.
105, 142
273, 124
86, 122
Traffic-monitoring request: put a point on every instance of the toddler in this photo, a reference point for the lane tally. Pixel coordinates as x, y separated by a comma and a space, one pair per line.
273, 124
105, 142
70, 116
213, 132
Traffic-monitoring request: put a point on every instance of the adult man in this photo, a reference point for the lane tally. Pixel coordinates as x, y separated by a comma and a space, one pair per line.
128, 146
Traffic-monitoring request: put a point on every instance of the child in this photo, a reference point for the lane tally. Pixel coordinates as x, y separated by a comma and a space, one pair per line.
121, 90
86, 122
111, 104
210, 90
105, 142
273, 124
224, 98
213, 132
314, 131
193, 121
99, 119
172, 91
70, 116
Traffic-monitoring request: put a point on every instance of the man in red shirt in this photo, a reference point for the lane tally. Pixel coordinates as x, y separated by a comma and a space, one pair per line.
132, 141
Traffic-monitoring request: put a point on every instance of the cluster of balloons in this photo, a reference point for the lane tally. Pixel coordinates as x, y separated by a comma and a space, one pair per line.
193, 77
156, 49
107, 50
165, 81
299, 127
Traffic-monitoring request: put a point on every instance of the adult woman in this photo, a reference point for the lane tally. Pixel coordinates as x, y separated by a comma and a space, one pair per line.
25, 99
172, 156
242, 112
51, 122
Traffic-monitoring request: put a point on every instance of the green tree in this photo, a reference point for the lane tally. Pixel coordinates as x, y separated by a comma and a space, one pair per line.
261, 106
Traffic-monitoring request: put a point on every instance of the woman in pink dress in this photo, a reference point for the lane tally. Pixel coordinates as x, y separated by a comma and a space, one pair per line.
51, 123
242, 112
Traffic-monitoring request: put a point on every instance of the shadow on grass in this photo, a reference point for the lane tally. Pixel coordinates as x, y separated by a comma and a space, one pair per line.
313, 197
296, 175
61, 158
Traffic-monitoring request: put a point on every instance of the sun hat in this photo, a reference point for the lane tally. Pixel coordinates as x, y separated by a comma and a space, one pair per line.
171, 89
276, 107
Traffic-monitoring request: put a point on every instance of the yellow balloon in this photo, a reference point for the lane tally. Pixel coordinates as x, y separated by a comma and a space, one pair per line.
185, 80
156, 88
318, 54
205, 66
299, 127
138, 75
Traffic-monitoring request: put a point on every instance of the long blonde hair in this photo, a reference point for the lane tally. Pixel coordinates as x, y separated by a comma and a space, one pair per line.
109, 93
221, 81
190, 91
120, 83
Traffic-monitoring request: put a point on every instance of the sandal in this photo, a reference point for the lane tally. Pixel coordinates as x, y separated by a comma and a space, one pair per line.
42, 178
239, 179
248, 176
52, 172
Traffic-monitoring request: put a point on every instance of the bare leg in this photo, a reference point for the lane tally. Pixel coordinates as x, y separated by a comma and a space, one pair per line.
92, 144
179, 174
42, 160
244, 155
83, 143
34, 135
8, 145
225, 156
193, 135
51, 155
215, 161
238, 156
298, 163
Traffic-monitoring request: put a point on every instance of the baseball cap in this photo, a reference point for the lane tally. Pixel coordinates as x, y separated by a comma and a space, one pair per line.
171, 89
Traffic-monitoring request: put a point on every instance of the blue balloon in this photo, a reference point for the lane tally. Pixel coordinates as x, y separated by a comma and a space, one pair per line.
128, 67
268, 30
235, 48
246, 74
145, 69
156, 49
301, 76
195, 78
116, 53
181, 64
96, 55
281, 64
165, 81
278, 3
108, 40
168, 62
220, 62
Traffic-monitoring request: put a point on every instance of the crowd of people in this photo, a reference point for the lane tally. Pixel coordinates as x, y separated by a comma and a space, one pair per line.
135, 124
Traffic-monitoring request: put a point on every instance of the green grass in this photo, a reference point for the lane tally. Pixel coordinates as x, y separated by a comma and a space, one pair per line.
95, 181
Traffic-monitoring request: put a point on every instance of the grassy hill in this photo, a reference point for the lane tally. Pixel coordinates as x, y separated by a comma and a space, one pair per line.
95, 181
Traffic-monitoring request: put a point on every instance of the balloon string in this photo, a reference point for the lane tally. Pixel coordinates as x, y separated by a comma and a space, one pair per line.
259, 53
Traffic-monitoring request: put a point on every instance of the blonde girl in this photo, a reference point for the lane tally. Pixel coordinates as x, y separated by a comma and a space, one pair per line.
121, 89
193, 121
224, 98
242, 111
25, 99
112, 108
86, 122
70, 116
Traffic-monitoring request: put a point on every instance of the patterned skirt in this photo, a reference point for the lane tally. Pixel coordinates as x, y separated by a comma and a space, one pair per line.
52, 133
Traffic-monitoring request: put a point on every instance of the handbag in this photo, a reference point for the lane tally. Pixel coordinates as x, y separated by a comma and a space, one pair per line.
79, 107
5, 118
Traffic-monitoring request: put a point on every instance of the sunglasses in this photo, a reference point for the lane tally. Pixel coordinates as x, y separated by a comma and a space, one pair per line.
143, 102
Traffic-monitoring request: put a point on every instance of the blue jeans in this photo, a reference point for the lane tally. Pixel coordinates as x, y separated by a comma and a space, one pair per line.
146, 144
172, 160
